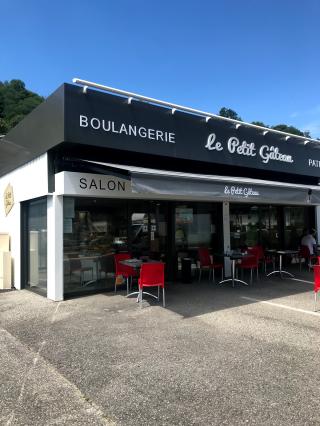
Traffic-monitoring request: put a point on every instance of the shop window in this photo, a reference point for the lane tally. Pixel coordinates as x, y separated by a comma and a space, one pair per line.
94, 230
196, 225
244, 224
295, 221
252, 224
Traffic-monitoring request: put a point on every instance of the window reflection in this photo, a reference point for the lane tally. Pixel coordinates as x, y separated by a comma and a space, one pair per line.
37, 242
93, 231
251, 225
196, 226
294, 221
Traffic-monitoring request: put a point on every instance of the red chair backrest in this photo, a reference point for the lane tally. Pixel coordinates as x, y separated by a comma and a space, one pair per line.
250, 261
122, 269
304, 251
254, 251
152, 274
316, 270
260, 251
204, 256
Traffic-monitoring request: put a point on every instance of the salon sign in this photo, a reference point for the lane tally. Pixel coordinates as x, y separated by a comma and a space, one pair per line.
243, 148
89, 184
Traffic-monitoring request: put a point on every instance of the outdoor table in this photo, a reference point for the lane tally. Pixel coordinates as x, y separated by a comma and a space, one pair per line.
234, 257
133, 263
282, 253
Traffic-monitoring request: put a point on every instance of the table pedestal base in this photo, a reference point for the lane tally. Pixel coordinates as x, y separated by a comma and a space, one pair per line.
138, 293
280, 273
233, 280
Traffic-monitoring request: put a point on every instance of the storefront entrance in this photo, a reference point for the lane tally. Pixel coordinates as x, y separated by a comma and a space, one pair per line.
96, 229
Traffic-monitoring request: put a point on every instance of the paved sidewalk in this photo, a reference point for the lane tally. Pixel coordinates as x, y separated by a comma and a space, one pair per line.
216, 355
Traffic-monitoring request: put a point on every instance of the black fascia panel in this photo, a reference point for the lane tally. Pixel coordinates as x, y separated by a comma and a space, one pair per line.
39, 131
104, 120
150, 132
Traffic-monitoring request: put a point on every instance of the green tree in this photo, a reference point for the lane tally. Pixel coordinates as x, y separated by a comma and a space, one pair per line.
259, 123
288, 129
229, 113
15, 103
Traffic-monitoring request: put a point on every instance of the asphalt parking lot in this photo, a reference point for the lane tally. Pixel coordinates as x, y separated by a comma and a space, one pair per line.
214, 356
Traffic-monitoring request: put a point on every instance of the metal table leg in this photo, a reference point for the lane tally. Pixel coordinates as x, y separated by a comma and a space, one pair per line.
280, 271
233, 278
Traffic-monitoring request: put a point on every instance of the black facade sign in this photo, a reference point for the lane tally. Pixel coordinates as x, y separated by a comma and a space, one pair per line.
110, 121
96, 119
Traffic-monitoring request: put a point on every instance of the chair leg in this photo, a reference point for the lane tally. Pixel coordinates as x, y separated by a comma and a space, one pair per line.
140, 297
221, 274
213, 275
315, 301
127, 279
158, 293
163, 298
200, 274
251, 276
257, 273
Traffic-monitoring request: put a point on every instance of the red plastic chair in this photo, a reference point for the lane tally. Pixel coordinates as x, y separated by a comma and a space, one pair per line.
250, 262
316, 288
151, 275
126, 271
208, 263
262, 258
304, 253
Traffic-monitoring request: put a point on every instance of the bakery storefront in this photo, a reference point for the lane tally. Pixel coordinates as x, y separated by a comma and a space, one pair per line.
94, 173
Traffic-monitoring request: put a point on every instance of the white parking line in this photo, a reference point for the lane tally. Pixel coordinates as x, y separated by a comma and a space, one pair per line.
279, 305
302, 281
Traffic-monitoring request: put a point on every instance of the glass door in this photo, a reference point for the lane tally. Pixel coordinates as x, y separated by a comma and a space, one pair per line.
244, 225
269, 227
37, 246
295, 221
148, 228
197, 225
158, 230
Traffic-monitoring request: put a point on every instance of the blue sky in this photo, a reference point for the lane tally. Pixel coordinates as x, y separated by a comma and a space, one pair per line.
260, 58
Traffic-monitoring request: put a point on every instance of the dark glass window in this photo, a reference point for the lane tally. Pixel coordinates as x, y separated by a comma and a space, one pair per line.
197, 225
37, 245
295, 221
94, 229
273, 227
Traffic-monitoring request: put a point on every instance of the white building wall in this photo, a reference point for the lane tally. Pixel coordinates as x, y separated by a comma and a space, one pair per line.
55, 248
28, 181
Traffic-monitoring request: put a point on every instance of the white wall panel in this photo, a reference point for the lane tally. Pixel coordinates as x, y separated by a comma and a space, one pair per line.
29, 181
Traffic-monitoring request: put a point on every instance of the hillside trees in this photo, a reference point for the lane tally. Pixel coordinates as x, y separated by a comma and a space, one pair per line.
15, 103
